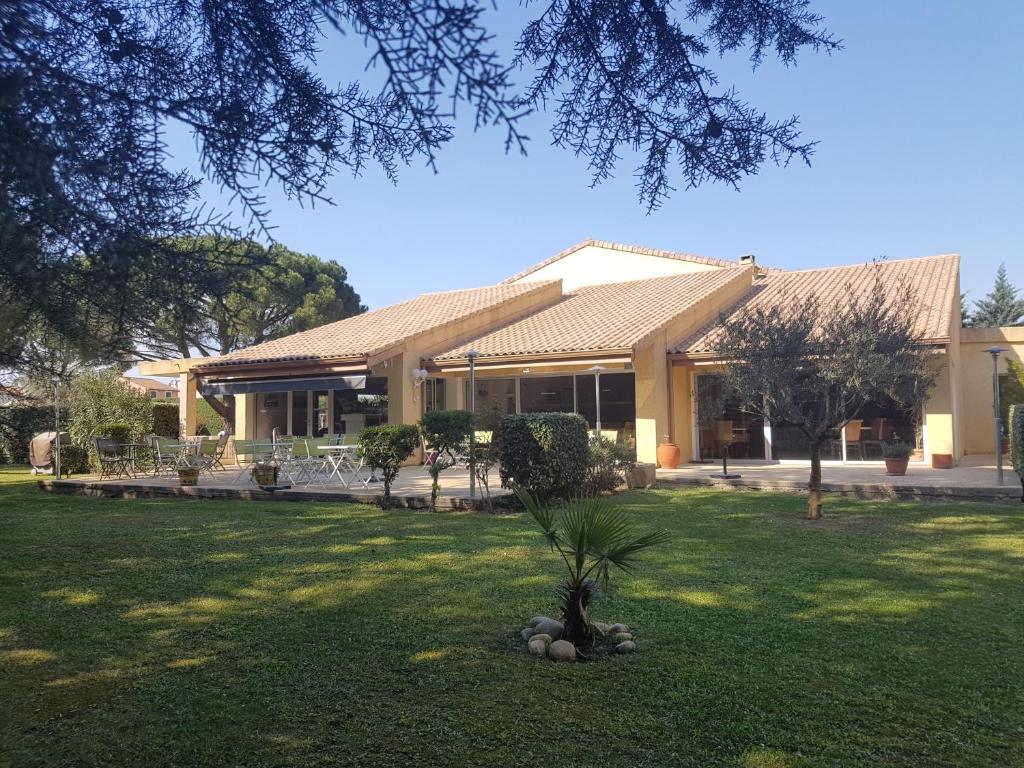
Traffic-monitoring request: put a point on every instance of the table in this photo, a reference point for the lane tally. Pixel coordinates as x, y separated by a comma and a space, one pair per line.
339, 457
130, 454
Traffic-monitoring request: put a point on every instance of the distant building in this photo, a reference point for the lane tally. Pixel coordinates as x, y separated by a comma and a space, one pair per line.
16, 396
158, 390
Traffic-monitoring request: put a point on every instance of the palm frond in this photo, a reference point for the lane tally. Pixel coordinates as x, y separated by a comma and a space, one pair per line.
543, 515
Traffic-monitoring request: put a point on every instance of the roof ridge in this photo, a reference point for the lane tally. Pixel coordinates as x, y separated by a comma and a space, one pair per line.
880, 263
657, 278
625, 247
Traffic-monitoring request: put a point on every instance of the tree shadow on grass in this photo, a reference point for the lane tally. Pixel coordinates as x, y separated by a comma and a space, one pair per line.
220, 633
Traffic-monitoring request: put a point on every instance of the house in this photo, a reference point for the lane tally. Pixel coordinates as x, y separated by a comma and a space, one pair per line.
633, 326
14, 396
158, 390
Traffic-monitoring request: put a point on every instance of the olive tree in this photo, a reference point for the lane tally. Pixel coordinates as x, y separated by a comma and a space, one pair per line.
816, 367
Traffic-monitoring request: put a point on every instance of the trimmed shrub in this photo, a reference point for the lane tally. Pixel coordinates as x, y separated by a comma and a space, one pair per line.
386, 448
608, 465
101, 399
445, 433
545, 453
1016, 428
122, 433
165, 419
73, 459
19, 424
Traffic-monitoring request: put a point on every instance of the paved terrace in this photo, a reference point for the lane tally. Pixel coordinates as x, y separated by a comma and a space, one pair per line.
974, 480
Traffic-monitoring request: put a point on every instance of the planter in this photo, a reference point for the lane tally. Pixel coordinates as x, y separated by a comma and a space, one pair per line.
265, 475
942, 461
896, 466
188, 476
668, 455
641, 476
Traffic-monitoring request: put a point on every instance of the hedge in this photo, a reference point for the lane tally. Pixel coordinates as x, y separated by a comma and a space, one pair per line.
19, 424
1016, 427
546, 453
165, 420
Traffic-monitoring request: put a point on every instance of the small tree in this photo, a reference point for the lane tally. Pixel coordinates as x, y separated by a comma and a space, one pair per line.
98, 399
386, 448
445, 432
816, 368
1002, 306
1016, 424
591, 536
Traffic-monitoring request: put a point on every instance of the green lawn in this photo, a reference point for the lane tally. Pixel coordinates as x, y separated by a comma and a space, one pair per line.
197, 633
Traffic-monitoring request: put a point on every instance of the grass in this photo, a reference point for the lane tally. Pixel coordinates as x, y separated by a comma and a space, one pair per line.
186, 633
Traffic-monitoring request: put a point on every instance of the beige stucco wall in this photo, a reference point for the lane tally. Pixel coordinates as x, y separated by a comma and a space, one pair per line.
594, 264
978, 424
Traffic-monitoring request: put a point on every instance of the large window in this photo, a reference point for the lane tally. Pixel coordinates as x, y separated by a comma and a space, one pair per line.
434, 395
493, 396
547, 394
355, 409
320, 415
300, 413
618, 401
724, 429
271, 414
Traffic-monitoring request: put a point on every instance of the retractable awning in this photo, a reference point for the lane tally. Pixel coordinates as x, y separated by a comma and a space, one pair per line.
280, 385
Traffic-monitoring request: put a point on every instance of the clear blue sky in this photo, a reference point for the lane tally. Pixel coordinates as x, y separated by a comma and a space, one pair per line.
919, 120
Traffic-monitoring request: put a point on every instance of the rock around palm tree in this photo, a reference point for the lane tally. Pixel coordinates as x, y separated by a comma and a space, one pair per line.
591, 536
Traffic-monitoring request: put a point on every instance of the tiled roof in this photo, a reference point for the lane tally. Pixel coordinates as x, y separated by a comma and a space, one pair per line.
372, 332
595, 318
932, 279
678, 256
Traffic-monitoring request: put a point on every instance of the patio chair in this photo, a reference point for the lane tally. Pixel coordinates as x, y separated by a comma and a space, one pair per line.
296, 464
880, 431
165, 455
113, 462
853, 439
208, 456
318, 465
245, 455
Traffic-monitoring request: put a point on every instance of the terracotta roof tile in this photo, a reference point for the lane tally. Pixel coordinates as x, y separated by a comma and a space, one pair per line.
612, 316
676, 255
371, 332
932, 278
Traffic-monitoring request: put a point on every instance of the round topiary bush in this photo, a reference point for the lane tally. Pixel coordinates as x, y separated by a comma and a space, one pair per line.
545, 453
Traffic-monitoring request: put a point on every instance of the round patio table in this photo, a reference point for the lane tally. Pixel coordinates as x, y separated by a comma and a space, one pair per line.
339, 457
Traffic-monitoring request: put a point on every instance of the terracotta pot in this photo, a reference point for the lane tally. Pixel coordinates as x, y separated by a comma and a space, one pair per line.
265, 476
188, 476
668, 455
896, 466
942, 461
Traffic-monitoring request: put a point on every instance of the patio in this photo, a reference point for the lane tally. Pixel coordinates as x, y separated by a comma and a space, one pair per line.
410, 489
974, 479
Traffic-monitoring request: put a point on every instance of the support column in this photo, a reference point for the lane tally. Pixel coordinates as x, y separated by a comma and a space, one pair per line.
652, 410
186, 404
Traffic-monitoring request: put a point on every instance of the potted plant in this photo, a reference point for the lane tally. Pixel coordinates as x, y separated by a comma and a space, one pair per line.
896, 454
264, 474
188, 475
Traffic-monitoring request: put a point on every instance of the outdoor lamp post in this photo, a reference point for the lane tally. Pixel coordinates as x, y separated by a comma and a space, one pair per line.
995, 351
597, 398
471, 356
56, 427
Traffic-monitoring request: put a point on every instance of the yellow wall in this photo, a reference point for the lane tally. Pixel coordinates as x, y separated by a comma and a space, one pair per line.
594, 264
978, 424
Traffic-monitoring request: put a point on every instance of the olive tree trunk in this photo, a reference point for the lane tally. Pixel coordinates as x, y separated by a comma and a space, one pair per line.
814, 485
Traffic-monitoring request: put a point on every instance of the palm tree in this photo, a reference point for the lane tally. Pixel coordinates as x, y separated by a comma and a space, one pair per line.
591, 537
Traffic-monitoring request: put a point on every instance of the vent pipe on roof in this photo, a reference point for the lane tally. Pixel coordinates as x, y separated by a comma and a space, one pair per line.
747, 259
